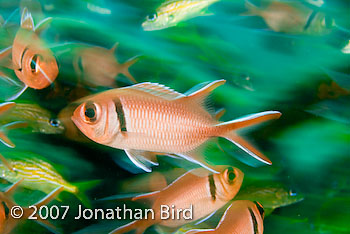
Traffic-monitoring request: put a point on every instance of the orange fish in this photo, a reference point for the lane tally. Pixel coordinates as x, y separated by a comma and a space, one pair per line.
149, 119
331, 91
205, 193
291, 17
33, 63
8, 222
97, 66
241, 217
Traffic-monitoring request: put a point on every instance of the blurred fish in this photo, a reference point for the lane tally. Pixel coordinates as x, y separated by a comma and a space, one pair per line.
291, 17
271, 197
172, 12
33, 63
205, 193
331, 91
149, 119
5, 107
37, 118
97, 66
37, 174
241, 217
8, 222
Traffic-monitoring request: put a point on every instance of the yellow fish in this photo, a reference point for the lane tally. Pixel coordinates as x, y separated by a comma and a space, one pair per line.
37, 174
149, 119
241, 217
171, 12
205, 193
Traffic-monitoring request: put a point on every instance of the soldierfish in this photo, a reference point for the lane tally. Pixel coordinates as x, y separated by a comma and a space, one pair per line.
172, 12
199, 188
241, 217
149, 119
33, 63
37, 118
37, 174
97, 66
8, 222
291, 17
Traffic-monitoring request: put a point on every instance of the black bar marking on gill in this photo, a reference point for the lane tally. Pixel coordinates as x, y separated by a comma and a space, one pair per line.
260, 208
310, 19
21, 65
212, 187
255, 222
120, 113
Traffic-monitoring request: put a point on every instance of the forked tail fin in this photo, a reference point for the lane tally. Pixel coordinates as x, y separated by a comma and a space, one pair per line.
227, 130
126, 66
134, 225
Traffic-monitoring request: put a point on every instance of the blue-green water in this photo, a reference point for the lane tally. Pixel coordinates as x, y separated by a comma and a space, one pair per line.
265, 70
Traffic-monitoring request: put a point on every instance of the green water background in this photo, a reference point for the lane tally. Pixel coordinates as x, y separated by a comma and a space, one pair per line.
309, 146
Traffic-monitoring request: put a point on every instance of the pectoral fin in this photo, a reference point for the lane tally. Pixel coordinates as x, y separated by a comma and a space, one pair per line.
142, 159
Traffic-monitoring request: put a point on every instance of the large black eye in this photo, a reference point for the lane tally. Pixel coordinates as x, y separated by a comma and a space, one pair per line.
260, 208
34, 62
230, 175
152, 17
54, 122
90, 112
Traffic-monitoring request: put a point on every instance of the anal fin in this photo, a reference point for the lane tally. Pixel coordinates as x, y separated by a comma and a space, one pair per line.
142, 159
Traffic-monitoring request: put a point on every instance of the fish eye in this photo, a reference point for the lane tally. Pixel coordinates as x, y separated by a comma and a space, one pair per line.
230, 175
90, 112
54, 122
260, 208
152, 17
34, 62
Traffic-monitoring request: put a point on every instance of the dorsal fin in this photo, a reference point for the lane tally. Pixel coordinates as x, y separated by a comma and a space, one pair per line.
44, 24
157, 90
206, 88
27, 21
114, 47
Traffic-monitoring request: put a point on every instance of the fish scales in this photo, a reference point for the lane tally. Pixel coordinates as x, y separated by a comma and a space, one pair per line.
157, 120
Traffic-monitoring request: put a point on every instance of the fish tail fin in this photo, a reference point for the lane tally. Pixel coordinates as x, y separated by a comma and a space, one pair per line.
125, 68
227, 130
251, 9
82, 188
3, 136
138, 226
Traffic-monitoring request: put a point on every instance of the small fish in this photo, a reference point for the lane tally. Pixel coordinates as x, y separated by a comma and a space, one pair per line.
37, 174
271, 197
291, 17
206, 193
33, 63
8, 222
149, 119
172, 12
37, 118
240, 217
98, 66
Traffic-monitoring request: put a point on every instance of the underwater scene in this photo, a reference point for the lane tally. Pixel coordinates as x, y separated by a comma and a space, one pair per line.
175, 116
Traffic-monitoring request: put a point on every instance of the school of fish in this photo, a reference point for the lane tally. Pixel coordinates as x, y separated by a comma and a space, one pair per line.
146, 120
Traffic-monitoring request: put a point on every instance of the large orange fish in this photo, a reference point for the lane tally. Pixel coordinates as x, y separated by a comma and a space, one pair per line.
241, 217
33, 63
205, 193
97, 66
149, 119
